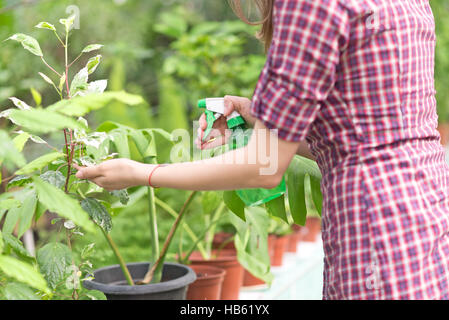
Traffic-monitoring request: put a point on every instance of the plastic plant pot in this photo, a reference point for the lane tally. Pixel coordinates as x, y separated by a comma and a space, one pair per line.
111, 281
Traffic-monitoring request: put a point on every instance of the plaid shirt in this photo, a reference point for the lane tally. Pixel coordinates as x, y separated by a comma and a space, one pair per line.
355, 79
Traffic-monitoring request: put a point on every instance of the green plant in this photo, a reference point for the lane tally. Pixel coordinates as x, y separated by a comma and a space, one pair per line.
47, 184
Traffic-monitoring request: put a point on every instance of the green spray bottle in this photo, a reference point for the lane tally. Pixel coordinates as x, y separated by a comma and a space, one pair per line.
214, 108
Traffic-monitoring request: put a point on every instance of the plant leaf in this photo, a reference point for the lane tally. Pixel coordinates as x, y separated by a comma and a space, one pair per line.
93, 63
42, 121
81, 105
17, 246
26, 214
317, 195
29, 43
20, 104
92, 47
57, 201
122, 195
23, 272
276, 207
297, 172
68, 22
55, 178
39, 163
234, 203
19, 291
18, 181
45, 25
36, 96
9, 152
79, 82
98, 213
53, 259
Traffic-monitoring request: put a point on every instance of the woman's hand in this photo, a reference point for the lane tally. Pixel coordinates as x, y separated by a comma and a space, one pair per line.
115, 174
219, 135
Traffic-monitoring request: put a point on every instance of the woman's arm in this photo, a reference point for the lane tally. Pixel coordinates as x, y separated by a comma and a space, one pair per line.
261, 164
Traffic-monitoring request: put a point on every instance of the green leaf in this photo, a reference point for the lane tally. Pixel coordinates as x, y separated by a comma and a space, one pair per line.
234, 203
9, 204
8, 151
42, 121
93, 63
297, 172
36, 96
119, 138
81, 105
23, 272
61, 82
19, 291
98, 213
12, 217
87, 251
276, 207
92, 47
210, 201
17, 246
122, 195
251, 242
68, 23
45, 25
95, 295
39, 163
26, 215
57, 201
317, 195
55, 178
171, 24
18, 181
53, 259
79, 82
29, 43
1, 243
20, 140
46, 78
20, 104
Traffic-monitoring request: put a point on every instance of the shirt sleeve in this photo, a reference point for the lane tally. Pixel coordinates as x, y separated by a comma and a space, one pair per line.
301, 65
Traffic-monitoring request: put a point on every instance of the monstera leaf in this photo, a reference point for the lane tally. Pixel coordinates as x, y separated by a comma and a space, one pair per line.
298, 174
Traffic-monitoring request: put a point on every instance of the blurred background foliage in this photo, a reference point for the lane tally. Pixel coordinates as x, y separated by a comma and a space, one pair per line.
172, 52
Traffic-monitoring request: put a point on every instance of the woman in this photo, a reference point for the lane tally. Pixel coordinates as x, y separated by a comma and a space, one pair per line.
354, 79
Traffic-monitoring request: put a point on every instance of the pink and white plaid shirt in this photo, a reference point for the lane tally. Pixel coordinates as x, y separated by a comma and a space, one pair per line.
355, 79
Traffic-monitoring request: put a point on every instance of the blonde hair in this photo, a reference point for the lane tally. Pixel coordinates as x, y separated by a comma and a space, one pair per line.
265, 8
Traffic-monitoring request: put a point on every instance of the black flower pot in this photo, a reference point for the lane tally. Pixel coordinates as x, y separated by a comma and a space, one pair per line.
111, 281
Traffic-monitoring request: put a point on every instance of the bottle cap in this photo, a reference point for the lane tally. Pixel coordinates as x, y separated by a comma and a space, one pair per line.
236, 121
202, 103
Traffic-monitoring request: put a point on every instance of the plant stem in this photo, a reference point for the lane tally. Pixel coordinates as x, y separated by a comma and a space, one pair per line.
66, 64
153, 219
185, 259
185, 226
50, 67
157, 267
211, 232
153, 225
119, 258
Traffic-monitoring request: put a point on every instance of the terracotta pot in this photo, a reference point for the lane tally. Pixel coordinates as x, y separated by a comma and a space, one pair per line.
443, 128
248, 279
293, 240
313, 226
220, 238
280, 245
208, 283
227, 260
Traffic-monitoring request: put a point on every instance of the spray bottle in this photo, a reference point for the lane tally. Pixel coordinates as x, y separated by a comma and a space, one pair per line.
214, 109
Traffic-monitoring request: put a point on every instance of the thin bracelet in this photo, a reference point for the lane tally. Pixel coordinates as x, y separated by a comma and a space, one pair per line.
151, 174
